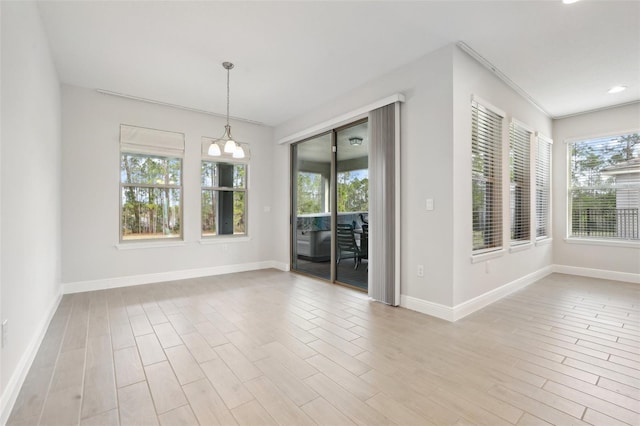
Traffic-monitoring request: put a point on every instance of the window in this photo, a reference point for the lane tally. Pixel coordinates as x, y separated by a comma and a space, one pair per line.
312, 189
353, 191
519, 190
486, 154
150, 183
224, 198
543, 187
604, 187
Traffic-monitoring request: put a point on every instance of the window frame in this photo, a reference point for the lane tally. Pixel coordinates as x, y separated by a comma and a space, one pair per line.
497, 178
217, 189
140, 141
593, 239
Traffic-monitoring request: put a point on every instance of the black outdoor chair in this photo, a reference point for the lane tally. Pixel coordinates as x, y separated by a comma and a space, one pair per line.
347, 247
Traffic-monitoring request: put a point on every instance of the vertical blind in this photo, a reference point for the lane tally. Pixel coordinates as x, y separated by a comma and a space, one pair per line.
486, 153
604, 188
519, 172
543, 187
384, 283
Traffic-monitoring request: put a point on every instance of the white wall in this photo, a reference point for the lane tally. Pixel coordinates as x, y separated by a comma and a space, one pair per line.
31, 194
620, 261
90, 182
435, 163
426, 168
473, 280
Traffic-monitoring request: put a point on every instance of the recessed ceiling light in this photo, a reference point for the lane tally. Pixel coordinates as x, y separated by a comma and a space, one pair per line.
617, 89
570, 1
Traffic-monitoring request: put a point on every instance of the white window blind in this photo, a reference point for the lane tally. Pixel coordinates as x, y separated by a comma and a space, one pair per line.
543, 187
486, 152
140, 140
520, 192
604, 187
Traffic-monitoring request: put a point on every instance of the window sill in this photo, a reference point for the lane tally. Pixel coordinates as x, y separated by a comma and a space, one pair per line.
609, 243
520, 247
477, 258
134, 245
224, 240
544, 241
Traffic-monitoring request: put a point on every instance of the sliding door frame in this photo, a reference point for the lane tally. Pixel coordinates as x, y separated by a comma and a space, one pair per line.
333, 199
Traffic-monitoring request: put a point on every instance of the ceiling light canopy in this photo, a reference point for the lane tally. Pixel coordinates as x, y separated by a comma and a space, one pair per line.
570, 1
617, 89
230, 146
355, 140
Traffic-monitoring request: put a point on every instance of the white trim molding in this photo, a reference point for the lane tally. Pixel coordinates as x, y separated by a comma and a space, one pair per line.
341, 119
425, 307
470, 306
604, 274
11, 391
463, 309
116, 282
136, 245
602, 242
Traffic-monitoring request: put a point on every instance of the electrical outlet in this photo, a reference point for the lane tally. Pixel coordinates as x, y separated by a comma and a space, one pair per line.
5, 332
421, 270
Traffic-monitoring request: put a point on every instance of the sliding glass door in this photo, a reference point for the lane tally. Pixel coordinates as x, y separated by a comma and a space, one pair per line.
352, 197
311, 216
330, 205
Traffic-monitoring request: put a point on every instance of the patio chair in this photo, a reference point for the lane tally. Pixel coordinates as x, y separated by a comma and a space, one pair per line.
347, 247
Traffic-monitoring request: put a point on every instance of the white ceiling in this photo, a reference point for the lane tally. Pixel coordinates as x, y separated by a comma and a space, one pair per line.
294, 56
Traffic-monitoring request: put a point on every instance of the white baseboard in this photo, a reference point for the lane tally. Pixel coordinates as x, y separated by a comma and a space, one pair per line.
477, 303
11, 391
597, 273
457, 312
425, 307
103, 284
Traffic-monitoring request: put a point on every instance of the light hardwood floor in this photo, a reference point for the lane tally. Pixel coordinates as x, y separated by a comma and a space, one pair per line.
268, 347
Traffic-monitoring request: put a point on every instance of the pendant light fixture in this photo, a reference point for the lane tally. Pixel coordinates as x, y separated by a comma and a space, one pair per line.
230, 146
355, 141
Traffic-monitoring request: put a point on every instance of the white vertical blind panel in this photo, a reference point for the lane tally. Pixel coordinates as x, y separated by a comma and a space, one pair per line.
382, 206
141, 140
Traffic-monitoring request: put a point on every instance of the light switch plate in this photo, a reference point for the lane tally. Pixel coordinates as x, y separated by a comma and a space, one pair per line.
5, 332
429, 204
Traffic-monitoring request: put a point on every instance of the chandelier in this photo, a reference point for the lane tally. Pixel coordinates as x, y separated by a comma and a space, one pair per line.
229, 145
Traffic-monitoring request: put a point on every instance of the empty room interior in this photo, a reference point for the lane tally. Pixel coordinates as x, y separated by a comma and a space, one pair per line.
309, 212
